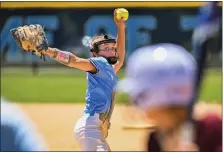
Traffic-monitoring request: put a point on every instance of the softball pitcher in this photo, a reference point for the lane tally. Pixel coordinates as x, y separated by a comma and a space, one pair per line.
108, 56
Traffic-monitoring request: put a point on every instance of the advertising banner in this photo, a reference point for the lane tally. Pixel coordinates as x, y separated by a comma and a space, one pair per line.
69, 28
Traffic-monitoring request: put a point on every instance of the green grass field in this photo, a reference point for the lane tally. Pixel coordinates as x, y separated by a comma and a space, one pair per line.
69, 86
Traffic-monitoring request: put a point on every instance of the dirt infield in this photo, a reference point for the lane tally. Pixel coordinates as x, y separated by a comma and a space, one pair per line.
56, 122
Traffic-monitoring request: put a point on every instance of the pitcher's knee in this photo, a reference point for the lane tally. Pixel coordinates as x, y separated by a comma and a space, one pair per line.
90, 144
76, 134
103, 148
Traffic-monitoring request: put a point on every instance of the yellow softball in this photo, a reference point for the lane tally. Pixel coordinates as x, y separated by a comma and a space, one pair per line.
122, 13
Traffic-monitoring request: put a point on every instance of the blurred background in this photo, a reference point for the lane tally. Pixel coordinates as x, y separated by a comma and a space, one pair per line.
68, 26
27, 79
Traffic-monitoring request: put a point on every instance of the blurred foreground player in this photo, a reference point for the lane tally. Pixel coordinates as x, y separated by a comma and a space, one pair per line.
17, 132
161, 83
164, 82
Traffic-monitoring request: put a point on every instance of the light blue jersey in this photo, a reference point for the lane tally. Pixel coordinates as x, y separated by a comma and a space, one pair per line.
100, 87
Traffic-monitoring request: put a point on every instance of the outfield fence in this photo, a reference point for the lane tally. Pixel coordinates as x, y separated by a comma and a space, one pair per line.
67, 23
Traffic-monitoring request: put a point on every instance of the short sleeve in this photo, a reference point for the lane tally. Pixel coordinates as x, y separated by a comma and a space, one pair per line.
99, 63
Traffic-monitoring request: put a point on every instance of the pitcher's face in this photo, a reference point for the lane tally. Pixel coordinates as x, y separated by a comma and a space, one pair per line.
107, 50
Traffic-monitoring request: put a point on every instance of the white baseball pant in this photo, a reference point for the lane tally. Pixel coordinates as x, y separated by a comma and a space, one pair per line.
89, 135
